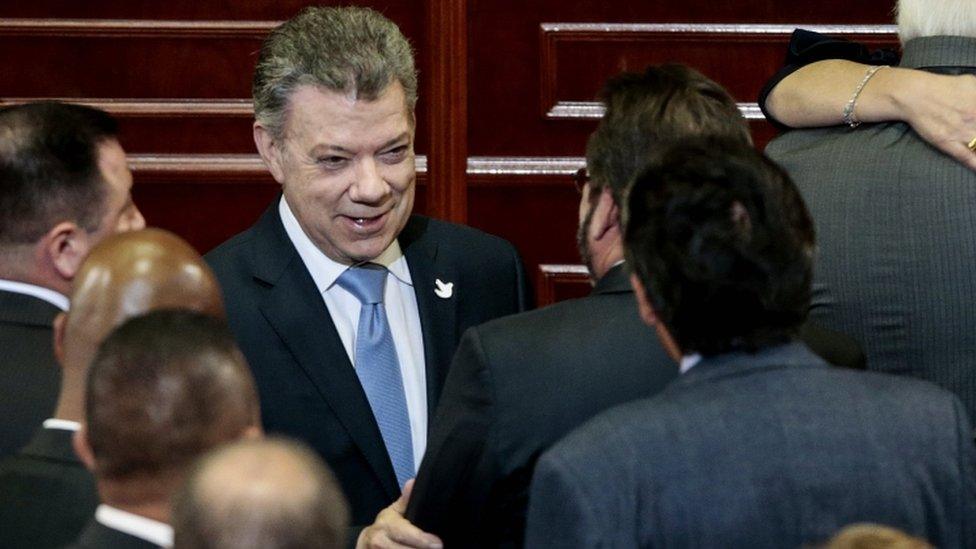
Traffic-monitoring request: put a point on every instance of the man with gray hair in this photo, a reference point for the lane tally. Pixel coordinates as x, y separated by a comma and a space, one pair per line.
348, 307
260, 494
895, 216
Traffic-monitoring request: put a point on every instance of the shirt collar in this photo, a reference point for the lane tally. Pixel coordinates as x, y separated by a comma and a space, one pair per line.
325, 270
689, 361
64, 424
57, 299
141, 527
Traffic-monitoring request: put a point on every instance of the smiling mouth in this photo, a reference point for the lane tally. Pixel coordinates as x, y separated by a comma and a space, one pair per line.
367, 223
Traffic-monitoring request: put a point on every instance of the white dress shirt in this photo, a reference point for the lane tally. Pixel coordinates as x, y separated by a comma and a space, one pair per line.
689, 361
63, 424
57, 299
400, 303
141, 527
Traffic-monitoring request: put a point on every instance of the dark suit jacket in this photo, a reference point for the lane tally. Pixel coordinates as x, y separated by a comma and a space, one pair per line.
895, 235
46, 494
767, 450
98, 536
520, 383
30, 378
306, 382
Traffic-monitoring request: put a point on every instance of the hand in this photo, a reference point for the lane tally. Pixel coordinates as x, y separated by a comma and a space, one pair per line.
942, 110
392, 530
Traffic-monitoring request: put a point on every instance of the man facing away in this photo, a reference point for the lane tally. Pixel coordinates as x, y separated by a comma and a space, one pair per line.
260, 494
46, 493
520, 383
64, 186
895, 216
163, 390
347, 306
758, 443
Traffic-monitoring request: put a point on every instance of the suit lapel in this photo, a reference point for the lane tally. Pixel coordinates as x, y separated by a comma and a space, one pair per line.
438, 315
298, 314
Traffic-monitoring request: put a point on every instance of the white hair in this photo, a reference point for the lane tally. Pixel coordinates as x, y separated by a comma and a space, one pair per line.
920, 18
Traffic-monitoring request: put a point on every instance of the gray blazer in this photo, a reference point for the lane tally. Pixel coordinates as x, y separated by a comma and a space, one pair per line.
896, 228
768, 450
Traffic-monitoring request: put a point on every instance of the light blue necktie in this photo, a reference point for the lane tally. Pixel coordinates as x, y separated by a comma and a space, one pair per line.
378, 368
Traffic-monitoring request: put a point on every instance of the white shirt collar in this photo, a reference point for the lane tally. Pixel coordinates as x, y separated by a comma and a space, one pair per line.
325, 270
64, 424
689, 361
57, 299
141, 527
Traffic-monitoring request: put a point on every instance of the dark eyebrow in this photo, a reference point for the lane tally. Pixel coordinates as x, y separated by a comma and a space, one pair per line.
395, 140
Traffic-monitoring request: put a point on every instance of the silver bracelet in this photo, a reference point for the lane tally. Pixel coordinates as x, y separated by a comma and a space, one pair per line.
849, 118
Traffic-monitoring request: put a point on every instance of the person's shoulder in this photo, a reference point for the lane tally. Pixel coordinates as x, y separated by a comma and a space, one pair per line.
455, 236
230, 250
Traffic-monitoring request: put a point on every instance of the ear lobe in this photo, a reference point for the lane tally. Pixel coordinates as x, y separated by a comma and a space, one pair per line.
66, 247
83, 449
269, 151
60, 322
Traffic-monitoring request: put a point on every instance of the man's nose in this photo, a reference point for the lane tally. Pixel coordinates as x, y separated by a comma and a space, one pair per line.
369, 187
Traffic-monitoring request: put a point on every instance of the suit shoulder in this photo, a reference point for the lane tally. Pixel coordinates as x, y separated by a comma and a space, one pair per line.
463, 237
228, 257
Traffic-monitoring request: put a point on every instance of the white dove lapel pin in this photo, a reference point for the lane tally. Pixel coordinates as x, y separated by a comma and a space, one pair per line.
444, 290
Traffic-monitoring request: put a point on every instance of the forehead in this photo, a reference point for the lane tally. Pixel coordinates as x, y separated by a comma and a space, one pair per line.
112, 162
318, 116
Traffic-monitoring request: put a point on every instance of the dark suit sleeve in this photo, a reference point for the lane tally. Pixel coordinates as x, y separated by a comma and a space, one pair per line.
561, 513
524, 289
451, 485
967, 470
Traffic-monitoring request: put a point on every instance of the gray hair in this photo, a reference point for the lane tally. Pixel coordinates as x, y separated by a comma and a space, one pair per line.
351, 50
921, 18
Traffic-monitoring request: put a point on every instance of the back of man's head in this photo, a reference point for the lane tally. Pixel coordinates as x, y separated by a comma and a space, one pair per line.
352, 50
164, 389
270, 494
921, 18
722, 244
49, 169
130, 274
645, 111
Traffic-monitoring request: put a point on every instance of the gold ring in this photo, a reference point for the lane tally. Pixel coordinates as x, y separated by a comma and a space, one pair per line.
972, 144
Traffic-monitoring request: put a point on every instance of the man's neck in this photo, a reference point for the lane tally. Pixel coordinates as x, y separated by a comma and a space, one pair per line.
610, 258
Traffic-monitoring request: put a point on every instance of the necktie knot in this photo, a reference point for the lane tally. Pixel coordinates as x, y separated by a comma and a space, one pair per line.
367, 282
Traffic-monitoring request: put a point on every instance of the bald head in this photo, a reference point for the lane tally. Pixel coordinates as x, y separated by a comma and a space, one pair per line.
128, 275
269, 494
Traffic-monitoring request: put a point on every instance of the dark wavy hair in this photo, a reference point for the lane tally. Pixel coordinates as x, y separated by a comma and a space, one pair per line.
723, 243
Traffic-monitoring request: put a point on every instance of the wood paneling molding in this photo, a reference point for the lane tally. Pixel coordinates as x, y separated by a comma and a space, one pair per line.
558, 282
153, 108
593, 110
555, 35
135, 28
219, 166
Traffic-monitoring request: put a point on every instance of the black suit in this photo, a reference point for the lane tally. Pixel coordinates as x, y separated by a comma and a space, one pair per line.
30, 378
46, 494
98, 536
306, 382
518, 385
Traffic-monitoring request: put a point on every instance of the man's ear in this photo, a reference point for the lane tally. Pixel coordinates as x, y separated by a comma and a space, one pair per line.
65, 247
269, 151
82, 448
643, 304
59, 323
650, 318
606, 215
